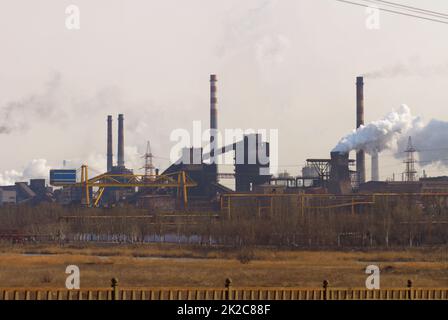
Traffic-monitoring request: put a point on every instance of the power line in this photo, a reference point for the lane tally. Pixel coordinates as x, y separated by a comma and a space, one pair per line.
439, 15
411, 8
391, 152
394, 12
423, 12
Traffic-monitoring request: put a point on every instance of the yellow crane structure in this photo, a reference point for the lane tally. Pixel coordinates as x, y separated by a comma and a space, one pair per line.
178, 180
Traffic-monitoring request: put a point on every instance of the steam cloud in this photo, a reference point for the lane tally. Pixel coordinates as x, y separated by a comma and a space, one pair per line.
36, 168
378, 135
40, 169
392, 132
430, 141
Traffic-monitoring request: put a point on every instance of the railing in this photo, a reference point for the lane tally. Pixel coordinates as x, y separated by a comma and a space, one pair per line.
225, 293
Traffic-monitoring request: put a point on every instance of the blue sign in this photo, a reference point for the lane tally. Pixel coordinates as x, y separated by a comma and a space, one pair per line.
62, 176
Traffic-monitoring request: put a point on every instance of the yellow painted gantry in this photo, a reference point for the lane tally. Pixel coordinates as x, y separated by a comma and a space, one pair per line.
178, 180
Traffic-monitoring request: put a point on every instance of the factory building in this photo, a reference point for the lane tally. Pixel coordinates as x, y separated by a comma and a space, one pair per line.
69, 196
33, 192
249, 169
7, 197
422, 185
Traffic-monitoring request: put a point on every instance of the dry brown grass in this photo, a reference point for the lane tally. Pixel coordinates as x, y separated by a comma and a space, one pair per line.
171, 265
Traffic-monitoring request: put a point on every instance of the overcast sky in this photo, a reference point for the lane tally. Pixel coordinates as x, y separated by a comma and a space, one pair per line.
286, 64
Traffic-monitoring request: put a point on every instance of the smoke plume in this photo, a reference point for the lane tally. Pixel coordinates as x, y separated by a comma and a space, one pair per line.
430, 139
378, 135
16, 115
413, 68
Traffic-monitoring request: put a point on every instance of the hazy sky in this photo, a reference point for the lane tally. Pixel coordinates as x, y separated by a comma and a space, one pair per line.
286, 64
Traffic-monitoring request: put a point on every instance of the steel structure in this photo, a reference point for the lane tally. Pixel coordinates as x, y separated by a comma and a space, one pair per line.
178, 180
149, 165
322, 167
410, 172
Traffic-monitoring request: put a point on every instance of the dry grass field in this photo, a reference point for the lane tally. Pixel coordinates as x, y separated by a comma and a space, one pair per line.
171, 265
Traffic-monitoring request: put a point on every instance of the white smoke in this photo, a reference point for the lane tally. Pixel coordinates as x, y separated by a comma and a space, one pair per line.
40, 169
392, 132
9, 177
378, 135
430, 140
35, 169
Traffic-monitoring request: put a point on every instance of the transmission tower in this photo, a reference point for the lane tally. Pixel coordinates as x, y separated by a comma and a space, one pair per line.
410, 172
149, 166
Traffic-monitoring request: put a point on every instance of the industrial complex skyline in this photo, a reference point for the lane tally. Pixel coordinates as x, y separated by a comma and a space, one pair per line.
231, 152
278, 66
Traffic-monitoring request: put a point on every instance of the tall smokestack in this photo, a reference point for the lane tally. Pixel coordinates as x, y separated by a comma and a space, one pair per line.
360, 156
109, 144
375, 166
213, 124
213, 103
120, 157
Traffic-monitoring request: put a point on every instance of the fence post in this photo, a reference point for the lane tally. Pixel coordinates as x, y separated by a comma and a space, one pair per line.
114, 285
228, 285
410, 289
325, 286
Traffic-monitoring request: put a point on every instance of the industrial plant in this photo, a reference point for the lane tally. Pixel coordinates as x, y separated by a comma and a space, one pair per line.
192, 183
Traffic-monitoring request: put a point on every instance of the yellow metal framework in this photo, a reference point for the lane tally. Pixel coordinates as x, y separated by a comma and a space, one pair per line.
178, 180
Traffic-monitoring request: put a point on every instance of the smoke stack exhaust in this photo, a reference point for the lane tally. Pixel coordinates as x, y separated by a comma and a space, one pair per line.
109, 144
120, 157
213, 125
360, 155
375, 166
